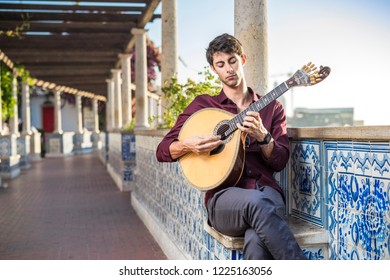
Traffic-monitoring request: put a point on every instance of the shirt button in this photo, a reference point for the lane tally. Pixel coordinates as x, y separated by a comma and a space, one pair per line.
250, 171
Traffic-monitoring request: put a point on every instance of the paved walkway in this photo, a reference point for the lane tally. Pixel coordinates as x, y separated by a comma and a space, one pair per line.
70, 208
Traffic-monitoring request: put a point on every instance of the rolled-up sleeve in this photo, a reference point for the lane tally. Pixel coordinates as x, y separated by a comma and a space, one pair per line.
162, 153
281, 152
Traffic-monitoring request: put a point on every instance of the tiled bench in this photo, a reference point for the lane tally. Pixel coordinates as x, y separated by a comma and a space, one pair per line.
311, 238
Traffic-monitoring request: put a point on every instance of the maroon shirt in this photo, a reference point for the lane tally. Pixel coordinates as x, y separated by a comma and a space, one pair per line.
257, 167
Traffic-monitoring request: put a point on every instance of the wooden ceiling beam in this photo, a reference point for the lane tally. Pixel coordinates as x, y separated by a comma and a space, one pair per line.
72, 17
24, 8
78, 36
71, 45
96, 79
61, 60
102, 87
72, 27
140, 2
68, 67
28, 51
40, 73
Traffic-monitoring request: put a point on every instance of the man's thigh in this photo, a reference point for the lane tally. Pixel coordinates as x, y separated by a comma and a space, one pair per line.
229, 208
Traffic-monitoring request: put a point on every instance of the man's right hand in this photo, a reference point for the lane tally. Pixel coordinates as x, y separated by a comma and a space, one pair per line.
196, 144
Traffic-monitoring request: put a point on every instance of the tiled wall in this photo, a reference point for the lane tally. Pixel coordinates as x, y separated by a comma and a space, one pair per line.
177, 208
345, 187
341, 186
9, 159
120, 158
358, 186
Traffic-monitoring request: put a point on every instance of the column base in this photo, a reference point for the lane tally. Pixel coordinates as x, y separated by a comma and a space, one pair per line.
9, 159
59, 144
35, 147
23, 148
82, 142
96, 142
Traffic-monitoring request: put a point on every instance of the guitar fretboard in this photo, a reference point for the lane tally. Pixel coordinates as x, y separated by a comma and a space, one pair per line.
256, 106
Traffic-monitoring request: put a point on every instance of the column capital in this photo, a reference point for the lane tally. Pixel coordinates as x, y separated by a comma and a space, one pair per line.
115, 70
138, 31
124, 55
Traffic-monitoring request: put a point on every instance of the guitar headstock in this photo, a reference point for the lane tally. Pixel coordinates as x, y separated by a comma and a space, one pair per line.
308, 75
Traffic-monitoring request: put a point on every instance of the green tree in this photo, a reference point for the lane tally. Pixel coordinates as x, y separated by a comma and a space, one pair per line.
179, 96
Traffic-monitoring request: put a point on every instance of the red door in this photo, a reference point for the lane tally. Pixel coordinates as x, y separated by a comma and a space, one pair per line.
48, 118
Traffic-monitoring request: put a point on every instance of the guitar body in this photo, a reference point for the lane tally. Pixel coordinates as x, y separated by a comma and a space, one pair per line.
215, 170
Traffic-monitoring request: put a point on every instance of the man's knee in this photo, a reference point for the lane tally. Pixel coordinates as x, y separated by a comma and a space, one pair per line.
254, 248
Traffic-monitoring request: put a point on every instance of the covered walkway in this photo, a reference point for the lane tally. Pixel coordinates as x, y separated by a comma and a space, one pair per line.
70, 208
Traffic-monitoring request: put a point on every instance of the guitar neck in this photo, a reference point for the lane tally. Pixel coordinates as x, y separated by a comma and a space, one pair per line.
256, 107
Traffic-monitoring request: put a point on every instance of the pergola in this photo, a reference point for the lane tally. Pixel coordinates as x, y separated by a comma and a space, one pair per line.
73, 43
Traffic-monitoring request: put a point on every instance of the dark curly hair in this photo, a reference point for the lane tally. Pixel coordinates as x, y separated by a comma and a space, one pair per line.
223, 43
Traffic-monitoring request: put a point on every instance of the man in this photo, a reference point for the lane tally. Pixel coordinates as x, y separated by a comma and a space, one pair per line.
254, 207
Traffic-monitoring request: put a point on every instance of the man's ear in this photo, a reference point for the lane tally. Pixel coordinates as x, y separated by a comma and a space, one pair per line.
213, 69
243, 59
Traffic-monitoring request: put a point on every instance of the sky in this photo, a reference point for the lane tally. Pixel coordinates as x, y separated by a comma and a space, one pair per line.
352, 37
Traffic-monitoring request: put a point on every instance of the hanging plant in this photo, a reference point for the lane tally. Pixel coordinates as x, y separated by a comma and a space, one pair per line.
24, 75
179, 96
7, 100
18, 31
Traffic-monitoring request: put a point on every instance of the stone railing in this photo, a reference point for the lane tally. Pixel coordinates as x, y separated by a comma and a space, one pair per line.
337, 180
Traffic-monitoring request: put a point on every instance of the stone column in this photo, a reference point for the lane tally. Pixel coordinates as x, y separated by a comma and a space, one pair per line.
26, 109
79, 111
9, 156
57, 112
141, 83
24, 141
96, 143
118, 98
110, 106
169, 55
95, 116
14, 120
250, 27
82, 139
126, 88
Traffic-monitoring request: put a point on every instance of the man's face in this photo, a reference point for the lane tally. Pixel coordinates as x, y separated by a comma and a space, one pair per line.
229, 68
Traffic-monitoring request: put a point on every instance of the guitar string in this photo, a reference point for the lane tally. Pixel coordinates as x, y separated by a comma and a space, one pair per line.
257, 106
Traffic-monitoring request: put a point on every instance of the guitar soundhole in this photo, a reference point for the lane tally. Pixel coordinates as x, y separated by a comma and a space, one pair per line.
217, 150
221, 130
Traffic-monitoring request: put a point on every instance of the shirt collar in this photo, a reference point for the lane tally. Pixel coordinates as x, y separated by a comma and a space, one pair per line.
223, 99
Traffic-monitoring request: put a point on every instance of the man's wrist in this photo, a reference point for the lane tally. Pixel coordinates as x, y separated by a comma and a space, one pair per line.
266, 140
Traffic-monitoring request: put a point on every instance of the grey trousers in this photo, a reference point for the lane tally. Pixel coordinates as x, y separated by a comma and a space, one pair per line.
258, 215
